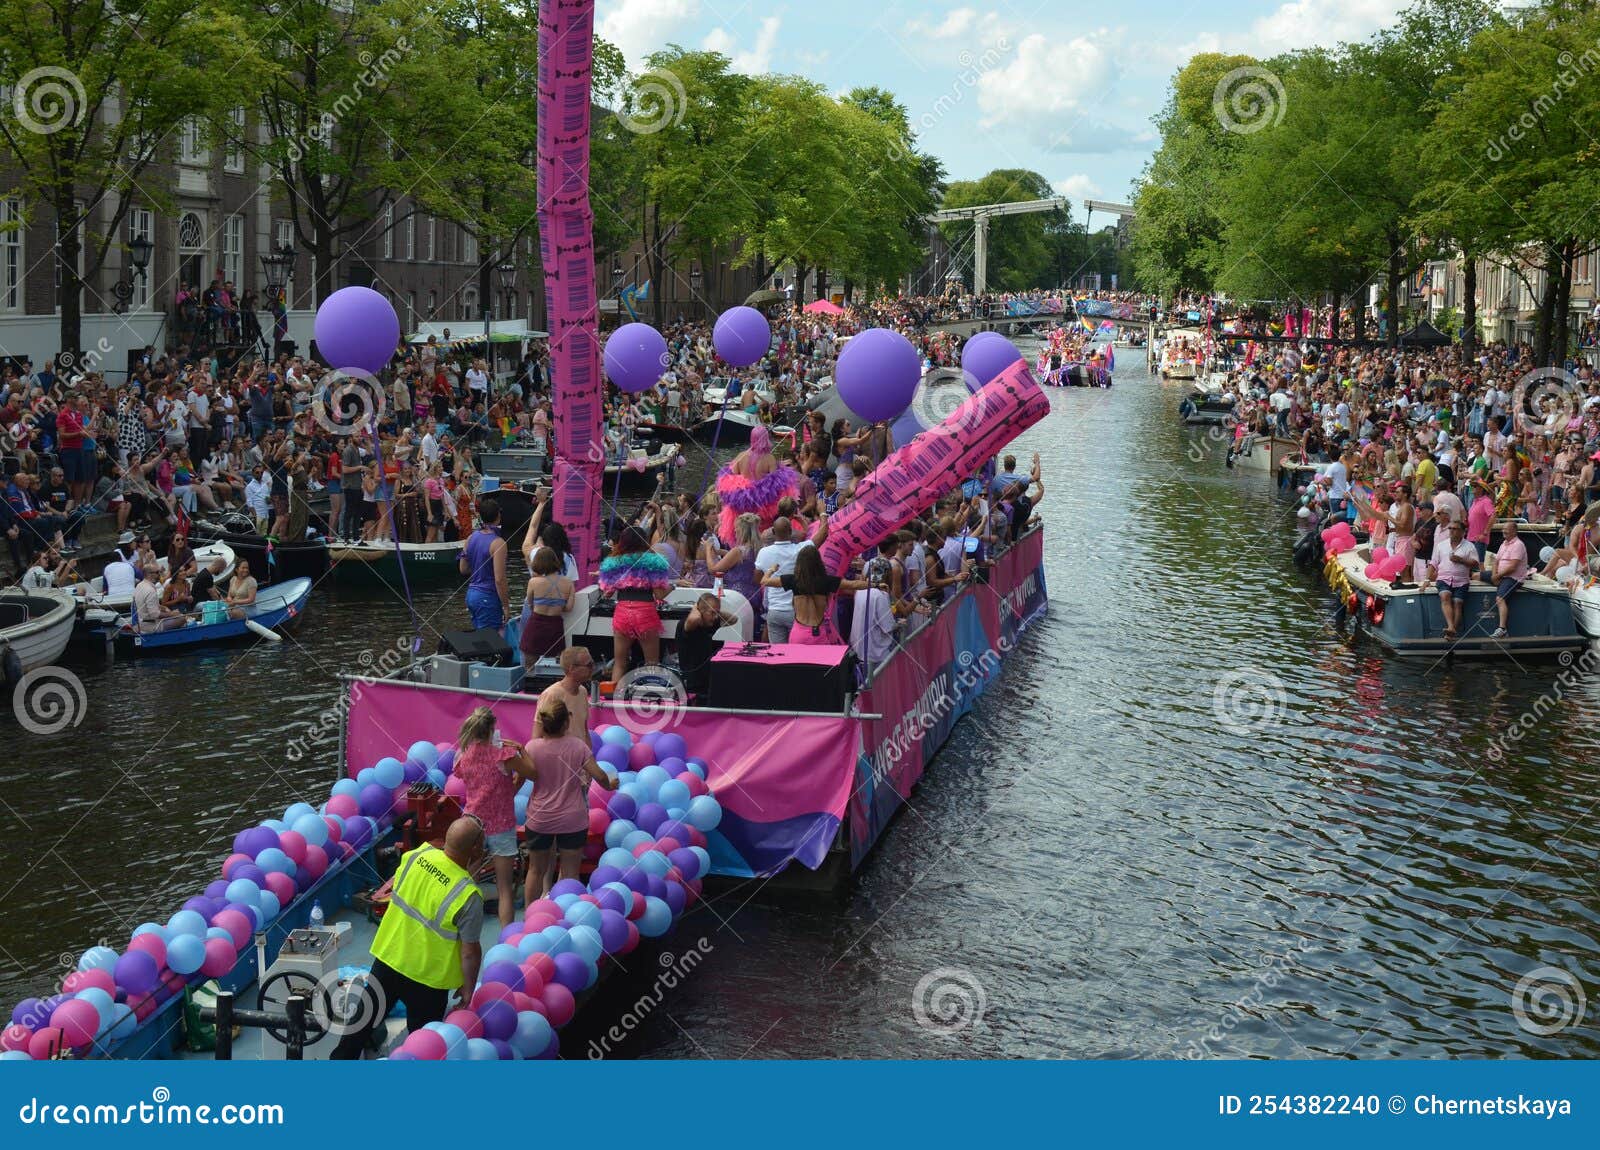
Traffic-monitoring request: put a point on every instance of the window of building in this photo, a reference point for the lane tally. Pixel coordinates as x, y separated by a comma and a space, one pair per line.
433, 304
388, 231
410, 246
141, 225
469, 248
192, 147
233, 250
431, 233
283, 237
411, 311
11, 266
233, 156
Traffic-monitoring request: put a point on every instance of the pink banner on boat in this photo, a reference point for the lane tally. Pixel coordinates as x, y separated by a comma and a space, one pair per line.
783, 781
919, 474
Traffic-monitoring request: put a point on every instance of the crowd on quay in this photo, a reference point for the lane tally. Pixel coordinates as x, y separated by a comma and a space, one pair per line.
1431, 453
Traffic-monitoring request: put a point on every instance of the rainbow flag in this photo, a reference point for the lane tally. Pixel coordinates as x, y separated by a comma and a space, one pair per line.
1088, 325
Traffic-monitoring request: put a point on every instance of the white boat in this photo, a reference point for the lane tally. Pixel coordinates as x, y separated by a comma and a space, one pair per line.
35, 627
1179, 362
1264, 453
1586, 606
92, 594
714, 397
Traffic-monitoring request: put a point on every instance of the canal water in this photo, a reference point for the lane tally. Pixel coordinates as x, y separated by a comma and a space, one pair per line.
1189, 820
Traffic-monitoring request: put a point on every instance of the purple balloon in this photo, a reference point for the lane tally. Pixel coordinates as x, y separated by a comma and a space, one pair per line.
671, 746
571, 971
136, 972
499, 1019
622, 807
568, 886
687, 862
505, 973
985, 356
402, 1056
635, 357
877, 374
636, 880
613, 928
674, 897
216, 888
741, 336
375, 800
673, 765
253, 840
252, 872
503, 1049
655, 886
199, 904
30, 1012
907, 427
650, 816
603, 875
613, 755
413, 770
611, 900
673, 829
356, 329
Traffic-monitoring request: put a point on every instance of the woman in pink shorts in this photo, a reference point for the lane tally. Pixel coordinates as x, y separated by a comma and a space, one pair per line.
637, 577
814, 590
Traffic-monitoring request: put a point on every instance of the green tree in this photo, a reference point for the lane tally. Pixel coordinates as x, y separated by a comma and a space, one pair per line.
1021, 254
97, 91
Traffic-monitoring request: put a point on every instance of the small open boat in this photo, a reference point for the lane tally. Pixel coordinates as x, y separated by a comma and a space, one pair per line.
35, 627
1410, 622
432, 564
278, 607
91, 594
1265, 453
304, 559
1178, 362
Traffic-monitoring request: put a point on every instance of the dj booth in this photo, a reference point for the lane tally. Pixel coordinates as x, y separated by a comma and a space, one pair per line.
782, 677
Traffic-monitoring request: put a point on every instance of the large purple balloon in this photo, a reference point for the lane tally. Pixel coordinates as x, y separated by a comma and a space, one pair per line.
741, 336
136, 972
877, 374
356, 328
635, 357
986, 355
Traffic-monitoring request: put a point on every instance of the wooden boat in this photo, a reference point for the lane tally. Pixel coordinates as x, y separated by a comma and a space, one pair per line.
1410, 622
306, 559
35, 627
1200, 409
279, 606
428, 564
1264, 453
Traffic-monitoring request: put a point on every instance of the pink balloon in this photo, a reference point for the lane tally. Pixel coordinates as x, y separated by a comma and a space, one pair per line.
84, 979
293, 844
15, 1037
47, 1042
77, 1020
456, 787
220, 955
232, 861
468, 1021
237, 925
282, 886
427, 1045
316, 864
152, 945
345, 806
335, 831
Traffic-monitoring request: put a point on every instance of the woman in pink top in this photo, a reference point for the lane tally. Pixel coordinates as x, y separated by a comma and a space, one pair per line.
491, 768
558, 813
1480, 516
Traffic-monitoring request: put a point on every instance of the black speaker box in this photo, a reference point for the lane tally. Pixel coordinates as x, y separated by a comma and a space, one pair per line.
485, 645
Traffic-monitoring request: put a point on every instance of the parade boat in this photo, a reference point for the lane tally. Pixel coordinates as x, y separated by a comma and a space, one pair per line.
1409, 622
519, 465
1204, 407
1535, 536
280, 606
35, 627
1178, 362
378, 561
1265, 453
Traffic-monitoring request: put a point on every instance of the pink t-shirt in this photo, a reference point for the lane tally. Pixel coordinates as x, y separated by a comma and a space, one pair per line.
1514, 551
557, 805
491, 786
1479, 516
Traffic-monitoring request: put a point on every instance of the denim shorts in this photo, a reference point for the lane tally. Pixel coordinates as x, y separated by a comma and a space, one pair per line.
502, 845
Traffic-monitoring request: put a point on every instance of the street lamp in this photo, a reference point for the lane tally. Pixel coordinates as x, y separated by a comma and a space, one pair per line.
279, 268
139, 251
507, 271
695, 276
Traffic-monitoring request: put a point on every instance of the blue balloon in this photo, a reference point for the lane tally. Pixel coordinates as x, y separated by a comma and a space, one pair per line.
297, 811
423, 752
617, 857
674, 794
637, 839
186, 922
625, 891
150, 928
618, 830
103, 1004
582, 914
654, 862
532, 1035
704, 813
586, 940
218, 932
186, 953
276, 826
557, 940
311, 828
481, 1050
519, 808
501, 952
437, 778
657, 918
698, 766
123, 1022
270, 906
704, 857
242, 890
455, 1039
389, 773
98, 958
365, 777
15, 1056
652, 778
347, 787
634, 790
617, 736
273, 860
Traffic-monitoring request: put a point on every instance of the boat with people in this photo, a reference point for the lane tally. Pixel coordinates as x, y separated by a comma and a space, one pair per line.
1180, 360
278, 607
379, 561
35, 628
271, 560
1265, 453
1409, 620
733, 425
1207, 407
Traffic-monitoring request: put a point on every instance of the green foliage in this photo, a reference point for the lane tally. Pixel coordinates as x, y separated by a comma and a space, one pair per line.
1022, 253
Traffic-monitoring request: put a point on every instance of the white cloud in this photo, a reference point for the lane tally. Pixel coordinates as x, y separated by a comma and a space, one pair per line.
1290, 26
1051, 87
640, 27
758, 59
958, 22
1077, 187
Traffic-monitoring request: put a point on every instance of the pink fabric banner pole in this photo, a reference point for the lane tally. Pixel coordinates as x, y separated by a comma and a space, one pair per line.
918, 475
566, 247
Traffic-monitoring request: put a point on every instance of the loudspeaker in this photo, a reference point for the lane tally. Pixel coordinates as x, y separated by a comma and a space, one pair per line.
746, 686
485, 645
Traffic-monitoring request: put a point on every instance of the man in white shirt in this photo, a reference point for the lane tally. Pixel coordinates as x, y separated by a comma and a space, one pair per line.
478, 379
258, 495
119, 575
1339, 482
430, 444
777, 557
1454, 561
1447, 507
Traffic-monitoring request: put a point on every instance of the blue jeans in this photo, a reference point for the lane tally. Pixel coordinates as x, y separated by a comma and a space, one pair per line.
485, 609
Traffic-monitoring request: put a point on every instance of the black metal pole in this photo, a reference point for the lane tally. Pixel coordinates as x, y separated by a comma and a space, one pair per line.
297, 1027
224, 1025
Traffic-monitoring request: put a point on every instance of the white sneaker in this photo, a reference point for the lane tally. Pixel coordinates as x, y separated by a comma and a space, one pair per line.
1499, 633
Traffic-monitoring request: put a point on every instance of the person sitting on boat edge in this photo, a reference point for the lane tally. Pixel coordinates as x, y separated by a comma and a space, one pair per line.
1454, 561
483, 561
241, 591
148, 613
491, 766
429, 941
1510, 569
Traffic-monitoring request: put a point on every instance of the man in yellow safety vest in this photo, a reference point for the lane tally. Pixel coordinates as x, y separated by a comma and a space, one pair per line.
429, 942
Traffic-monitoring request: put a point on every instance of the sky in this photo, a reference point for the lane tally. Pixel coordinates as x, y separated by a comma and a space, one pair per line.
1066, 91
